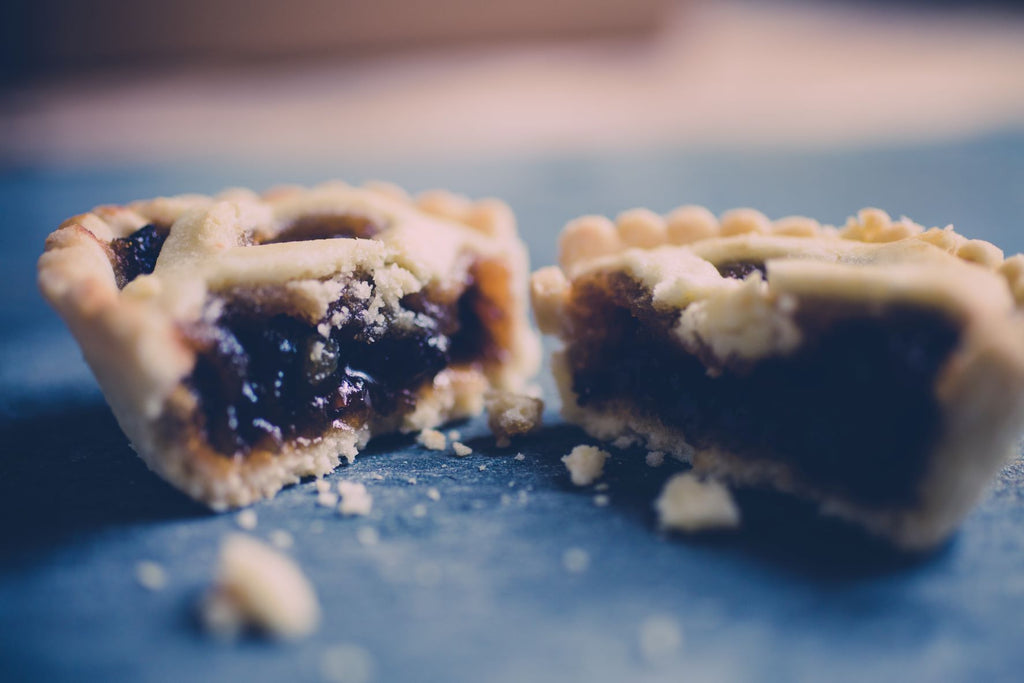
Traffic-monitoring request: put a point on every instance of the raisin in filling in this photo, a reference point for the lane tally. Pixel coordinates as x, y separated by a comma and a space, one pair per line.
852, 411
136, 254
264, 380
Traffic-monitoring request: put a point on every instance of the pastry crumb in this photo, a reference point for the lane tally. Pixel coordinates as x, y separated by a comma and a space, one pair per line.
520, 457
655, 459
585, 464
602, 500
346, 663
688, 504
432, 439
281, 538
327, 499
433, 494
355, 499
660, 637
247, 519
576, 560
411, 480
258, 587
461, 449
454, 434
510, 414
150, 575
624, 442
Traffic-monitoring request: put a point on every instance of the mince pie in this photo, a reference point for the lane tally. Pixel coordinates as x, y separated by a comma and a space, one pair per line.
245, 341
876, 369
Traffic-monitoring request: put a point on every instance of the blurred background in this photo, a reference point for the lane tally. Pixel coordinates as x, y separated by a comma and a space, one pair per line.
107, 82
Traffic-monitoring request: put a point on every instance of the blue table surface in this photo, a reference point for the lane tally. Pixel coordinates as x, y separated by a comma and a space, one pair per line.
476, 590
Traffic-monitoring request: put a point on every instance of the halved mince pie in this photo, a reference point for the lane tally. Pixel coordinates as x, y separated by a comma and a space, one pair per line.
244, 341
877, 369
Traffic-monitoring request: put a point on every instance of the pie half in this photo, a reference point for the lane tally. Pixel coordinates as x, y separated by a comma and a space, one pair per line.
877, 368
244, 341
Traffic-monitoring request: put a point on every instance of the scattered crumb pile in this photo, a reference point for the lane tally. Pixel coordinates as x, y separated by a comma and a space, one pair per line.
355, 499
585, 464
510, 414
688, 504
258, 587
432, 440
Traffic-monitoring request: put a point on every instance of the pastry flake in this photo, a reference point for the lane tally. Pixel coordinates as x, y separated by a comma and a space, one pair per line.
245, 341
876, 368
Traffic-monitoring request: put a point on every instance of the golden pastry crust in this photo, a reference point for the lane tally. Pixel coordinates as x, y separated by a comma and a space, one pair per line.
681, 263
240, 246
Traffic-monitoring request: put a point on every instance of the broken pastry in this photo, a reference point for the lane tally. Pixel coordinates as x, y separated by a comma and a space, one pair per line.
244, 341
876, 369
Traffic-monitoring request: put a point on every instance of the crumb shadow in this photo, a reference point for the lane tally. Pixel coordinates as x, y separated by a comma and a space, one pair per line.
73, 471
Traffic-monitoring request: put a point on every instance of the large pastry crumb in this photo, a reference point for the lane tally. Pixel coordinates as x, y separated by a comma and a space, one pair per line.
355, 499
585, 464
259, 588
690, 505
510, 414
432, 439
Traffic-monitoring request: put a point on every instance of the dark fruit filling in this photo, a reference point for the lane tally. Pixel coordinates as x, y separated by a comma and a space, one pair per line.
264, 380
136, 254
852, 410
327, 226
740, 269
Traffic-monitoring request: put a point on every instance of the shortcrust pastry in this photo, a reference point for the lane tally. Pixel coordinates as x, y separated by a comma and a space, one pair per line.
876, 368
244, 341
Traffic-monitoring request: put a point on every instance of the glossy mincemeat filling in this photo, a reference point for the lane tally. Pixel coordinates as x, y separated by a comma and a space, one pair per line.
136, 254
852, 411
264, 380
